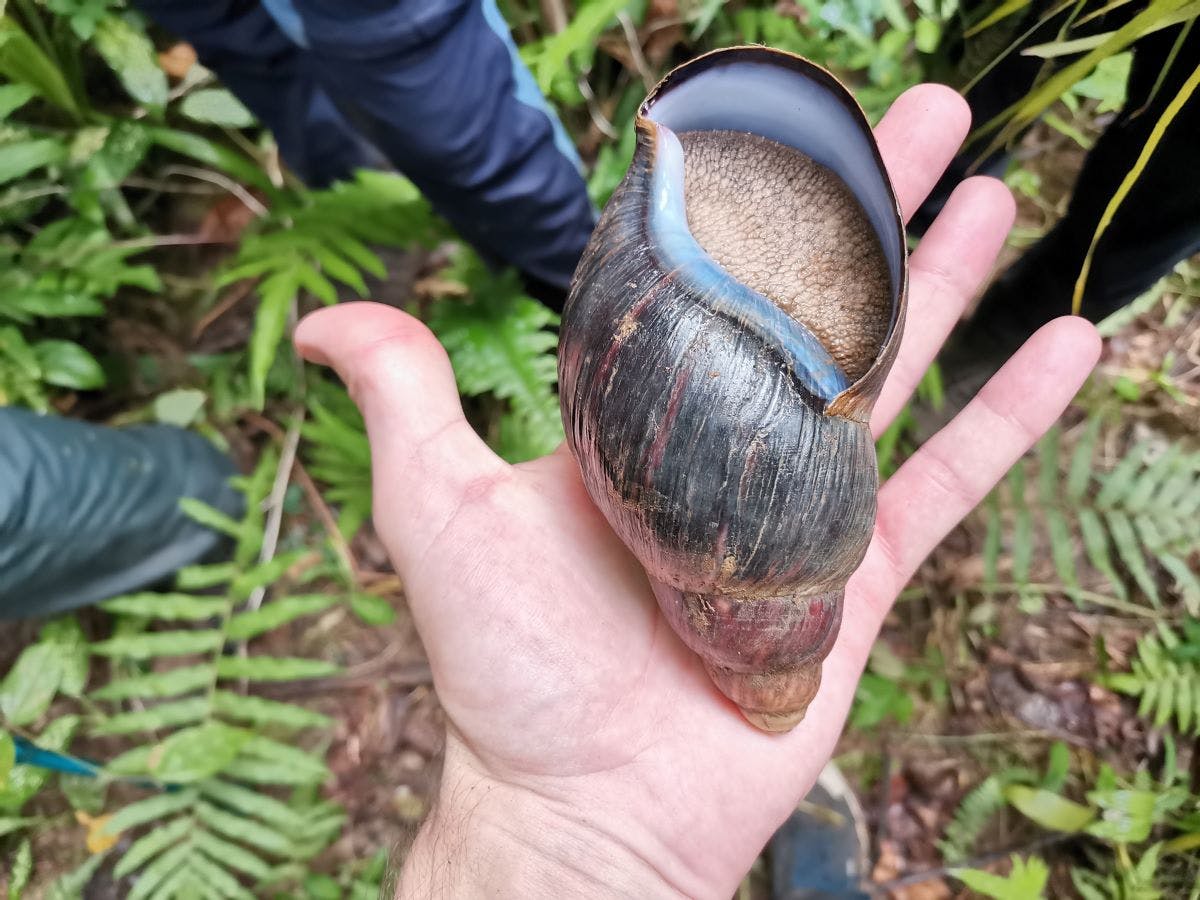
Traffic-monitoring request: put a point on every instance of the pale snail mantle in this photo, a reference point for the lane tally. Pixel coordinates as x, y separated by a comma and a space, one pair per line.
728, 331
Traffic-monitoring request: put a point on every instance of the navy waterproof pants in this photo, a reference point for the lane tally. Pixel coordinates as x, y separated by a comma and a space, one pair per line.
433, 87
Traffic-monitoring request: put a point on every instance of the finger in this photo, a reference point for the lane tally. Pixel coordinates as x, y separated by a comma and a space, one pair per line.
952, 473
424, 455
917, 137
946, 270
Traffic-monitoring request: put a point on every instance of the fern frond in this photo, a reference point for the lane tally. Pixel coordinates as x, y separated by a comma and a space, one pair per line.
1165, 676
499, 343
216, 831
319, 238
976, 811
1141, 515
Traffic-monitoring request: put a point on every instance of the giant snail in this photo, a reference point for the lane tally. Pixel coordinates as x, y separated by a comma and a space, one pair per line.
727, 333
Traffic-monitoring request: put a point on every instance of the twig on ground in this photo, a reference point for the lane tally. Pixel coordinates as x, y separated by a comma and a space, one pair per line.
635, 49
232, 298
251, 202
274, 522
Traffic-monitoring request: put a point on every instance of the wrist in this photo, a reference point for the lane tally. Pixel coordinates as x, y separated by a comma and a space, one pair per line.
486, 837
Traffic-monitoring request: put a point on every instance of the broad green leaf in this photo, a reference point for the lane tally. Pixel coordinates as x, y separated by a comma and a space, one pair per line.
66, 364
23, 62
1126, 816
159, 716
31, 684
372, 610
211, 154
170, 683
1049, 809
150, 810
131, 56
84, 792
260, 711
160, 643
197, 752
25, 781
13, 97
216, 106
1108, 83
152, 844
168, 607
180, 407
8, 758
278, 612
22, 157
273, 668
131, 762
69, 640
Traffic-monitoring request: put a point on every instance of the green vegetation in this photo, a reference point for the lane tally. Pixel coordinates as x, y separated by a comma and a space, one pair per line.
142, 210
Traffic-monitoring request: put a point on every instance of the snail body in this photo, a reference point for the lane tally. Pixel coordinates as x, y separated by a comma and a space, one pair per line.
727, 333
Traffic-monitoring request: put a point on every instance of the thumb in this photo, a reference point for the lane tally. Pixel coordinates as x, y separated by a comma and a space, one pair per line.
424, 454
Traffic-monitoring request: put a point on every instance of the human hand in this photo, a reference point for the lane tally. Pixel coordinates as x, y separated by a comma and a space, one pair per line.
587, 751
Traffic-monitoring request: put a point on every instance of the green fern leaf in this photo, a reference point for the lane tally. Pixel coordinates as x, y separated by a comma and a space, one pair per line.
171, 683
248, 831
1166, 685
273, 668
499, 344
162, 715
976, 810
150, 810
150, 845
276, 613
169, 607
160, 643
260, 711
251, 803
231, 855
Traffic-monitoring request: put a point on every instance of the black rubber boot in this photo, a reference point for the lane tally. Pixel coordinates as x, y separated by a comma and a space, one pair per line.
820, 852
88, 512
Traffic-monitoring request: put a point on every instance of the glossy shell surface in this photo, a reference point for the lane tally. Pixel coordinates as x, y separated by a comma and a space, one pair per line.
719, 438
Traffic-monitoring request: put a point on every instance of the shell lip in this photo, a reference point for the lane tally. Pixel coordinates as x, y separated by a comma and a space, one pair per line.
857, 400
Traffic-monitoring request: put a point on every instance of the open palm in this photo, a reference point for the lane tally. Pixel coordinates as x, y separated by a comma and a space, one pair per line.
588, 752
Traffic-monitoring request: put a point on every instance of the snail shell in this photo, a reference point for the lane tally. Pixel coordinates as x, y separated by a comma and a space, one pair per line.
727, 333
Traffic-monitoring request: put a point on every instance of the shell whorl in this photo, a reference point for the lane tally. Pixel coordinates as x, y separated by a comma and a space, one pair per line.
723, 441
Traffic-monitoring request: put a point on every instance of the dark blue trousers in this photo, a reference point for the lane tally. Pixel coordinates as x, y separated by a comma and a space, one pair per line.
433, 87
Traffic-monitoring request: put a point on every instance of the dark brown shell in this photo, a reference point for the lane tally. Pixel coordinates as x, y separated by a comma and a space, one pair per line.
747, 494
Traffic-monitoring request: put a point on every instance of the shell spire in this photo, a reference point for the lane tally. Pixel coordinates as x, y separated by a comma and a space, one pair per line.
727, 334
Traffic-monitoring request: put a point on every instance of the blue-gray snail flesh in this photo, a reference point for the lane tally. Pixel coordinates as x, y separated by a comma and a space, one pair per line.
726, 336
